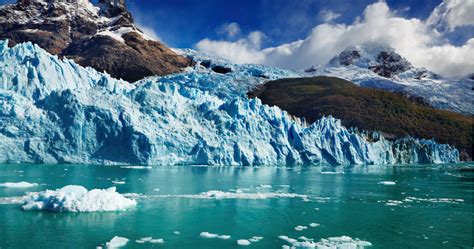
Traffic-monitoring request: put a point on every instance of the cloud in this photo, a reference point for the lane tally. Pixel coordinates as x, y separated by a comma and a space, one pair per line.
413, 38
246, 50
230, 29
328, 15
451, 14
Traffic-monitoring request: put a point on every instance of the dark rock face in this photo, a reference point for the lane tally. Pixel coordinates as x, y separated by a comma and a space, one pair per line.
221, 69
382, 60
101, 36
390, 64
348, 57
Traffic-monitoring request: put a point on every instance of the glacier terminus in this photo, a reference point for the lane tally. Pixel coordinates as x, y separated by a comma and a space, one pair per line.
55, 111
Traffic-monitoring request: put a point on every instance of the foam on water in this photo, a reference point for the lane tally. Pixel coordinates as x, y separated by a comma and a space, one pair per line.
217, 194
342, 242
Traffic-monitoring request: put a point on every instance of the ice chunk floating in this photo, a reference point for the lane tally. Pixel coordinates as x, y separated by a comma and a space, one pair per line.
78, 199
116, 242
18, 184
54, 111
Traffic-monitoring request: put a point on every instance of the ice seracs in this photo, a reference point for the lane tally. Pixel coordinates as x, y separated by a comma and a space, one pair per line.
77, 199
54, 111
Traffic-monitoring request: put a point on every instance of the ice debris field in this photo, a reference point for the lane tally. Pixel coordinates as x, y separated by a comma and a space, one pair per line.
55, 111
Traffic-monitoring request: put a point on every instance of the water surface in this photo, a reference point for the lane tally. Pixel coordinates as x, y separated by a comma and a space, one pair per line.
428, 207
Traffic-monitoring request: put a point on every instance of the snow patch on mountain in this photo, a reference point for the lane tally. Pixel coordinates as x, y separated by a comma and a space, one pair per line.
378, 66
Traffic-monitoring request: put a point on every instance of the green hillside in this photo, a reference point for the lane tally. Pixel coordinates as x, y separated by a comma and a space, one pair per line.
368, 109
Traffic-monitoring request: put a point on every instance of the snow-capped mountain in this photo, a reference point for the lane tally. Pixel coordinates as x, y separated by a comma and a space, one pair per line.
55, 111
102, 36
378, 66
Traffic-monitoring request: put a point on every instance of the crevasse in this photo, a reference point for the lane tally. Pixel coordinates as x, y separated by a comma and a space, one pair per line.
54, 111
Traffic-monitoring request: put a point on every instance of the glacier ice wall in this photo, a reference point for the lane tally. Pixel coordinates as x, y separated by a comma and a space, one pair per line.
54, 111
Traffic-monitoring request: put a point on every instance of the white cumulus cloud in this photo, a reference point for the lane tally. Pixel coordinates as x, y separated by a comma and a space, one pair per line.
328, 15
451, 14
413, 38
230, 29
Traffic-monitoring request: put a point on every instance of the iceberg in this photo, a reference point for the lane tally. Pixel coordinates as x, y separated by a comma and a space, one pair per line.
73, 198
116, 242
55, 111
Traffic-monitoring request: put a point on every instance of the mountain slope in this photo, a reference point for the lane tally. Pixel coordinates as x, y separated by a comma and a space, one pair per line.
380, 67
101, 36
368, 109
54, 111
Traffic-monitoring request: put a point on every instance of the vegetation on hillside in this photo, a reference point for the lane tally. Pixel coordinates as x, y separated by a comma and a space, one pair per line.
369, 109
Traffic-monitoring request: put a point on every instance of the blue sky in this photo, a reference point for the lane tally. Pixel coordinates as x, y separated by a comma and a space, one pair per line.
297, 34
182, 23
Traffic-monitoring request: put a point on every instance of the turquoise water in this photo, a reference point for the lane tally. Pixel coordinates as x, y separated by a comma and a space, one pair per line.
435, 208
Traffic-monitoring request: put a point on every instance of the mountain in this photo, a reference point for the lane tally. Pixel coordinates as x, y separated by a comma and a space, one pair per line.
378, 66
102, 36
55, 111
369, 109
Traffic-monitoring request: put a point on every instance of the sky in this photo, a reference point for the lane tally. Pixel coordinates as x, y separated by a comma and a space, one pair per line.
436, 34
296, 34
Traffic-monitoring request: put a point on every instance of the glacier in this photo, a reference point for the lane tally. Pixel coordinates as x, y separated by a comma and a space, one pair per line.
55, 111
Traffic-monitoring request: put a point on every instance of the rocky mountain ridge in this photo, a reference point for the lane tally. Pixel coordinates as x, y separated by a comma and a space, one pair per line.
102, 36
381, 67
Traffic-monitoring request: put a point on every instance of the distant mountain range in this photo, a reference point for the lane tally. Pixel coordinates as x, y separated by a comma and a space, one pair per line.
102, 36
378, 66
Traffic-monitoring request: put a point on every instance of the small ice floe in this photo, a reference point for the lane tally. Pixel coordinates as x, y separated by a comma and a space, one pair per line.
387, 183
304, 238
247, 242
13, 200
118, 182
393, 203
176, 233
243, 242
264, 186
314, 225
74, 198
150, 240
287, 239
117, 242
156, 189
135, 167
255, 239
333, 242
209, 235
332, 172
301, 228
18, 184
